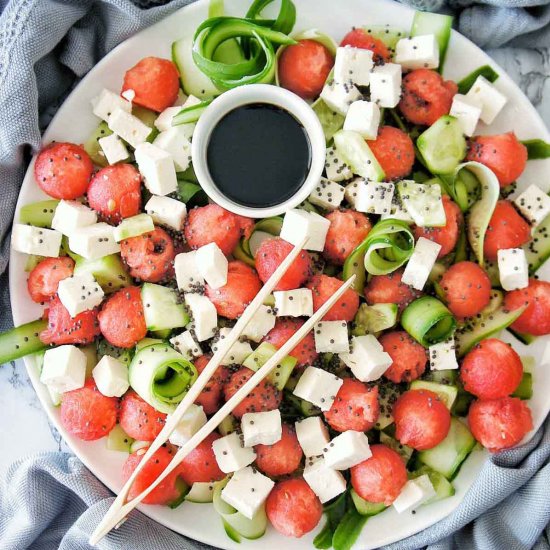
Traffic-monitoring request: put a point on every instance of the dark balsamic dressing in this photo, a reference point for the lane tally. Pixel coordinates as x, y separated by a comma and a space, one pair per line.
258, 155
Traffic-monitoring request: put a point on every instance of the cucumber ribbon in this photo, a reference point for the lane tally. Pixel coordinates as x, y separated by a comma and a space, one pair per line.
161, 376
264, 229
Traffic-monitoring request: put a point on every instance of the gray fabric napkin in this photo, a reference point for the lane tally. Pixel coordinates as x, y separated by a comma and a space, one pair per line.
52, 500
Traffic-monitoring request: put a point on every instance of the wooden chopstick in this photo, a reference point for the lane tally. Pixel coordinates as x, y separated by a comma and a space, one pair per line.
116, 515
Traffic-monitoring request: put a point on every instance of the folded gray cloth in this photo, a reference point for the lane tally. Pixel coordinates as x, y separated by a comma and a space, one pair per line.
52, 501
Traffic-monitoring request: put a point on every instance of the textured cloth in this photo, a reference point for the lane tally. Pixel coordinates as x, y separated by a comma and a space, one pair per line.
52, 501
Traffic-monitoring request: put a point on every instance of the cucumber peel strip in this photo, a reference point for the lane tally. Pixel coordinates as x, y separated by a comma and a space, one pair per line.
272, 226
537, 149
428, 321
191, 114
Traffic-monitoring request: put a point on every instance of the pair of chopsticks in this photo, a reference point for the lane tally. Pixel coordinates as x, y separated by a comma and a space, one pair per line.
118, 511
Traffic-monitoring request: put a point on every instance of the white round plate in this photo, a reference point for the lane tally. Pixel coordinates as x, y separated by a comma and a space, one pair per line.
74, 122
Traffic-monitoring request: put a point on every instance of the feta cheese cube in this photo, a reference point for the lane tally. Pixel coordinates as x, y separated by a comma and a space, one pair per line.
230, 453
385, 85
467, 111
443, 355
187, 274
186, 344
157, 168
94, 241
175, 142
261, 323
325, 482
237, 353
212, 265
346, 450
79, 293
247, 490
69, 215
367, 359
64, 368
513, 268
397, 210
128, 127
312, 435
331, 337
373, 197
421, 262
327, 194
191, 422
35, 240
339, 96
534, 204
113, 148
335, 167
363, 117
111, 376
294, 303
414, 493
205, 317
417, 52
353, 65
318, 387
298, 224
263, 428
164, 121
166, 211
488, 97
107, 102
129, 95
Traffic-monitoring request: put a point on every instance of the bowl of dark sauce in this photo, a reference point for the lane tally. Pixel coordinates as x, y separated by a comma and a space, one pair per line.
258, 150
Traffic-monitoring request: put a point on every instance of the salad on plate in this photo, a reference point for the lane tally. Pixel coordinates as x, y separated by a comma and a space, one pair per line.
141, 275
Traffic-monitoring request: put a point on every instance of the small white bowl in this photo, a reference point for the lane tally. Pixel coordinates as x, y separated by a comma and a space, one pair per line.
245, 95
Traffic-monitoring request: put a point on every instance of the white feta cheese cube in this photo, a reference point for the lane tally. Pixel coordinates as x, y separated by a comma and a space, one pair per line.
157, 168
513, 268
205, 317
186, 344
129, 95
69, 215
128, 127
167, 211
191, 422
64, 368
312, 435
373, 197
261, 323
367, 359
230, 453
247, 490
353, 65
79, 293
113, 148
35, 240
397, 210
187, 273
421, 262
107, 102
174, 141
417, 52
298, 224
339, 96
111, 376
346, 450
294, 303
325, 482
94, 241
414, 493
488, 97
423, 203
363, 117
318, 387
164, 121
335, 167
263, 428
331, 337
534, 204
327, 194
467, 111
212, 265
385, 85
133, 227
237, 353
443, 355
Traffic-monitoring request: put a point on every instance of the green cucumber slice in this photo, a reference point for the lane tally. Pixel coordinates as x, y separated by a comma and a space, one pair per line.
32, 262
525, 388
191, 114
109, 272
20, 341
468, 81
537, 149
182, 488
357, 155
330, 120
437, 24
240, 254
133, 227
280, 374
364, 507
537, 250
443, 487
137, 445
148, 342
119, 440
423, 203
228, 425
263, 230
162, 309
387, 34
428, 321
200, 492
39, 214
447, 377
523, 337
447, 394
375, 318
442, 145
92, 147
403, 451
495, 302
90, 351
